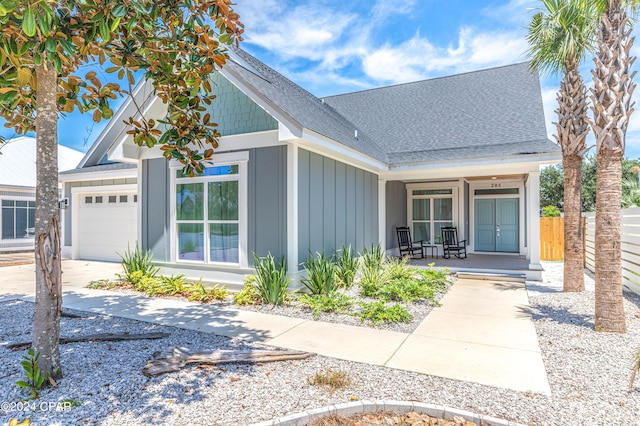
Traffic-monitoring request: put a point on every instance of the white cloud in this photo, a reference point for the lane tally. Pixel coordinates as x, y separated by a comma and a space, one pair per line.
418, 58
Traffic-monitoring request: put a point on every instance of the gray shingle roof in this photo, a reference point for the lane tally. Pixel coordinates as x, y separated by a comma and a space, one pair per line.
300, 105
483, 113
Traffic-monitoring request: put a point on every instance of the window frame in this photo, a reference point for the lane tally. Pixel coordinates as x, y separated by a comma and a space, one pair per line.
16, 198
239, 159
433, 186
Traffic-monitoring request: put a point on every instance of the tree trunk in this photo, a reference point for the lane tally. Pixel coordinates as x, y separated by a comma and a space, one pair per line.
573, 253
48, 306
572, 128
608, 276
612, 89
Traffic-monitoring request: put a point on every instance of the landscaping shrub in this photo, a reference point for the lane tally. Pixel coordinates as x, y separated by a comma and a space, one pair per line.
331, 302
196, 292
372, 278
271, 280
373, 257
249, 294
137, 261
346, 266
175, 284
321, 274
380, 313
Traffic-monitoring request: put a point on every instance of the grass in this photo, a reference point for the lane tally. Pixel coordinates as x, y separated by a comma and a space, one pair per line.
331, 379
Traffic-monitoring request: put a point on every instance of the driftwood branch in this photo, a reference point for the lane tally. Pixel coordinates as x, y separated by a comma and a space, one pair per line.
108, 337
176, 358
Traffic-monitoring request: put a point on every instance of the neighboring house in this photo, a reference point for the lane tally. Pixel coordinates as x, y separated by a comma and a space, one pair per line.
18, 190
295, 174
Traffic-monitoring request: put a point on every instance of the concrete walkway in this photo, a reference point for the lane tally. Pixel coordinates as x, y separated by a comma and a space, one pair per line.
482, 333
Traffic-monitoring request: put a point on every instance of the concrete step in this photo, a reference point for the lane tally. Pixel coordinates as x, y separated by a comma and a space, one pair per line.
493, 276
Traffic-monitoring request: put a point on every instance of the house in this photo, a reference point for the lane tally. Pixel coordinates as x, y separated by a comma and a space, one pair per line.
18, 190
295, 174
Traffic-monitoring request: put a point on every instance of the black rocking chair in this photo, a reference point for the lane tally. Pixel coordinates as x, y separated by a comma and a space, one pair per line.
450, 243
406, 245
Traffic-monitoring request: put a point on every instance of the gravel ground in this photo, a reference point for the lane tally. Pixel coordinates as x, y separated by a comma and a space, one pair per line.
589, 375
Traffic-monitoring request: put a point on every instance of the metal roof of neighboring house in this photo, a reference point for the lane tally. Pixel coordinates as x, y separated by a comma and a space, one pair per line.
18, 161
493, 112
100, 168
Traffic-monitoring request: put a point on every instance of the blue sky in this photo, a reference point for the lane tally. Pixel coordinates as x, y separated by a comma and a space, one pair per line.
333, 47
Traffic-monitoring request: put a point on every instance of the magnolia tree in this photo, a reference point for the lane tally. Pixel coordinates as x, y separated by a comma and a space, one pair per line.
176, 44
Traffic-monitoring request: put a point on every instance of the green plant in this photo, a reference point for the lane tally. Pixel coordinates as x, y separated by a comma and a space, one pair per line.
197, 292
175, 284
271, 280
321, 274
137, 261
550, 211
346, 266
35, 378
331, 302
101, 284
333, 379
372, 278
249, 293
373, 257
380, 313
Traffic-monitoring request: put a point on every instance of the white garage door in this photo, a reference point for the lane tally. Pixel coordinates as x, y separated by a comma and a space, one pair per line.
106, 224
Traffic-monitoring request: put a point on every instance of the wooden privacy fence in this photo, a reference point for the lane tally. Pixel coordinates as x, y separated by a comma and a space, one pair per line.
630, 247
552, 237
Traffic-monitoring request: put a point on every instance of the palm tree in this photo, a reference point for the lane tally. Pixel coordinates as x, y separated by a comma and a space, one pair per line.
558, 40
611, 98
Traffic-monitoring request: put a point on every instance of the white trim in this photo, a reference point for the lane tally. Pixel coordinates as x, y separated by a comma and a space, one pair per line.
76, 193
98, 175
321, 144
292, 208
504, 184
457, 192
533, 222
241, 158
382, 213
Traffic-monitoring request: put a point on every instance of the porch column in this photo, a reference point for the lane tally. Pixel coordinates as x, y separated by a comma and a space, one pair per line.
382, 213
292, 208
534, 220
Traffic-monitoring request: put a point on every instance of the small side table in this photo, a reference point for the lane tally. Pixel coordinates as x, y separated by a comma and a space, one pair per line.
433, 250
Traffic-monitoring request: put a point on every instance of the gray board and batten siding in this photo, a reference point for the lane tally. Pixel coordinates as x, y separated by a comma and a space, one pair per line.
396, 210
68, 186
267, 205
337, 205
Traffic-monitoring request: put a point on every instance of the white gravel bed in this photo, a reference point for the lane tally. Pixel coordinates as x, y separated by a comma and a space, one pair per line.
589, 375
419, 309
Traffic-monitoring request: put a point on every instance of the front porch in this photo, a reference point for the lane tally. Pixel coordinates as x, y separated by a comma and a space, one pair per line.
475, 263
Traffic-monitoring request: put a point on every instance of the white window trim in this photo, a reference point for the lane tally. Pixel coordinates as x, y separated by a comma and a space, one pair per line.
456, 192
490, 184
240, 158
14, 240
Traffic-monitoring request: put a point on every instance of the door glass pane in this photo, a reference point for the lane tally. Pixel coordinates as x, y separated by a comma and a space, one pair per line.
190, 201
437, 230
223, 200
7, 223
32, 221
431, 191
191, 241
224, 242
443, 209
421, 210
421, 232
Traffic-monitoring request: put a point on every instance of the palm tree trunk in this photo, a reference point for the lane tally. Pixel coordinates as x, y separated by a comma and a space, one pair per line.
573, 242
572, 128
608, 263
613, 87
46, 325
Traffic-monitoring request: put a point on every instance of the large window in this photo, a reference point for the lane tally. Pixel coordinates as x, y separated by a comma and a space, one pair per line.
17, 219
432, 209
207, 215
